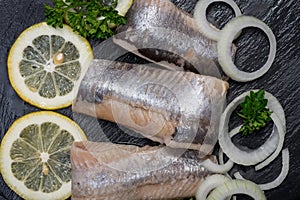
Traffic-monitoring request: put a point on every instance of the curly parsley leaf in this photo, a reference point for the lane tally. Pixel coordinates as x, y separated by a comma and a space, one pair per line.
90, 18
254, 112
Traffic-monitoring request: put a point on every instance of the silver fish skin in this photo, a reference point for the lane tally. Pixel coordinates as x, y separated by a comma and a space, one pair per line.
163, 33
107, 171
176, 108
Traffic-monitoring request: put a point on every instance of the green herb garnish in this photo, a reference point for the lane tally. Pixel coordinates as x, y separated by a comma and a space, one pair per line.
254, 112
90, 18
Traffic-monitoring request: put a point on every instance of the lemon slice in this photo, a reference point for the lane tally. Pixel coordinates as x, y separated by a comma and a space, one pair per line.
45, 65
35, 155
123, 6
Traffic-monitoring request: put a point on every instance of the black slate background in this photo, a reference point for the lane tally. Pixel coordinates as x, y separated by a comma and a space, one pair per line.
282, 80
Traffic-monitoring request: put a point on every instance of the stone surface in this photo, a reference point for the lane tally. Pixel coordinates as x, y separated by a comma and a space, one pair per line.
282, 80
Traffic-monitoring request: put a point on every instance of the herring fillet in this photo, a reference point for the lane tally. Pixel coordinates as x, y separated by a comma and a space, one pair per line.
179, 109
162, 32
107, 171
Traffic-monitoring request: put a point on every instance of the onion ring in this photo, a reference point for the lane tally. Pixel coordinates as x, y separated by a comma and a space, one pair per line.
237, 187
275, 183
215, 168
209, 184
276, 107
227, 36
262, 153
206, 28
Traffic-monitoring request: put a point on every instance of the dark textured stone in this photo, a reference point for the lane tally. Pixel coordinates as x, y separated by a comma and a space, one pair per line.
282, 80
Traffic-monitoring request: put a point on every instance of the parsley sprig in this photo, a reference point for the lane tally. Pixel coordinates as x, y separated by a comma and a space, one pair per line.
90, 18
254, 112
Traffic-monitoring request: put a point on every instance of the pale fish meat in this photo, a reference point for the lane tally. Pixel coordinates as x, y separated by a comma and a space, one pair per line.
163, 33
176, 108
107, 171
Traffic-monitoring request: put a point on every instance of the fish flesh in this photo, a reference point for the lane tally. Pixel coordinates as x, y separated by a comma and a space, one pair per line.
110, 171
163, 33
176, 108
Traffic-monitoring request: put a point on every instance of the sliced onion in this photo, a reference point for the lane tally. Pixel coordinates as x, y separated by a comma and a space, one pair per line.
283, 173
275, 183
213, 167
263, 152
227, 36
279, 145
221, 161
209, 184
238, 175
206, 28
220, 156
276, 107
271, 144
237, 187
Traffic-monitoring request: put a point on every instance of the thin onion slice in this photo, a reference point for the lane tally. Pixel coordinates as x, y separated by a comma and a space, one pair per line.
206, 28
276, 107
263, 152
274, 138
275, 183
279, 145
221, 161
220, 156
209, 184
283, 173
227, 36
270, 144
237, 187
216, 168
